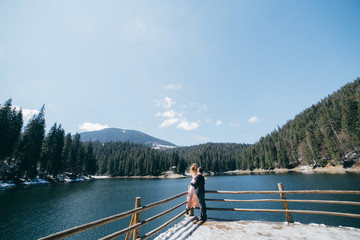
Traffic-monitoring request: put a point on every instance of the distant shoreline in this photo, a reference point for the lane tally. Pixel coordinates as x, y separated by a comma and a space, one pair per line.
170, 176
300, 169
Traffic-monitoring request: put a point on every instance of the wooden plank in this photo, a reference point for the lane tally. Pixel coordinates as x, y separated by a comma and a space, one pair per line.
128, 234
286, 192
288, 200
289, 218
136, 232
284, 211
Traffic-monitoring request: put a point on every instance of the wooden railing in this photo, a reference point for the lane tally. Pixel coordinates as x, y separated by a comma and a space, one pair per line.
136, 223
285, 202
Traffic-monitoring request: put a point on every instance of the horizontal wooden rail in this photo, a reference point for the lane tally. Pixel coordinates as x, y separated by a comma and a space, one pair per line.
287, 200
140, 224
158, 229
286, 192
286, 211
97, 223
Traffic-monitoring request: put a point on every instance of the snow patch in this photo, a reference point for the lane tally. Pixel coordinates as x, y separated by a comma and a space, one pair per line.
6, 185
216, 229
100, 177
306, 169
35, 181
159, 146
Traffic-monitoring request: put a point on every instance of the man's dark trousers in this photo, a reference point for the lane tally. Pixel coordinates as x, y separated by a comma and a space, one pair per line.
201, 198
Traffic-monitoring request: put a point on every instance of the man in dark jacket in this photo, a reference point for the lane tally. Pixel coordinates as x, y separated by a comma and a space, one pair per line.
199, 186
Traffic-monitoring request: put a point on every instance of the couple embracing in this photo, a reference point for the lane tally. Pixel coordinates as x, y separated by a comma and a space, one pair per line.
196, 194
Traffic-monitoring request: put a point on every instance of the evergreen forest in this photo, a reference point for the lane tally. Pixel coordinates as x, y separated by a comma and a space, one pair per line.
325, 133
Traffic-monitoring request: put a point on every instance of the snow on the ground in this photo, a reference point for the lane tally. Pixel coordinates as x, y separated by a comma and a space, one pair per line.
100, 177
6, 185
35, 181
215, 229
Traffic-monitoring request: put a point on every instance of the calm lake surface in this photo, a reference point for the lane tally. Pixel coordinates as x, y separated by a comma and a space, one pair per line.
33, 212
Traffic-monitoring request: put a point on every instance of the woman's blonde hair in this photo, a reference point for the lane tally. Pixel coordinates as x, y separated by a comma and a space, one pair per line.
193, 168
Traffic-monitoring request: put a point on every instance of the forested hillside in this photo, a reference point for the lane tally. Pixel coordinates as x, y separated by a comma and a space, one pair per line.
325, 133
128, 159
215, 157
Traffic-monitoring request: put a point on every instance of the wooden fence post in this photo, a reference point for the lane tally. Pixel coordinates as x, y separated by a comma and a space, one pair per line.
289, 218
134, 219
128, 234
191, 211
137, 218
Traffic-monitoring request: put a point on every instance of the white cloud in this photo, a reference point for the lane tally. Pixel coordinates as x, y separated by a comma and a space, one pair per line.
172, 86
169, 122
253, 119
87, 126
168, 114
188, 126
189, 105
218, 123
27, 113
173, 117
166, 102
203, 108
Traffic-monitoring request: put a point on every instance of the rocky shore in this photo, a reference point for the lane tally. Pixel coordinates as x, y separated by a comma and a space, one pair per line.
339, 169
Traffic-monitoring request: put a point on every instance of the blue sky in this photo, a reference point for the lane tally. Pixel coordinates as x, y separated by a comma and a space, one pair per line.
188, 72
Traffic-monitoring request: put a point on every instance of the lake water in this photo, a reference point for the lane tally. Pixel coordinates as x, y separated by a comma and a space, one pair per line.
33, 212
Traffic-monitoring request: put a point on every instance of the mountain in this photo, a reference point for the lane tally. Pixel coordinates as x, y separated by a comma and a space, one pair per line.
117, 134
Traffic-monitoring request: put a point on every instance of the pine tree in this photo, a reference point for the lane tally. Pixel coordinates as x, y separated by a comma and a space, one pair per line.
10, 129
51, 157
65, 156
28, 152
76, 163
181, 167
90, 160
